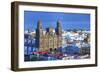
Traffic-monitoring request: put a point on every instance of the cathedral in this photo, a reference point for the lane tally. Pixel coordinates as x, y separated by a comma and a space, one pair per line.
50, 38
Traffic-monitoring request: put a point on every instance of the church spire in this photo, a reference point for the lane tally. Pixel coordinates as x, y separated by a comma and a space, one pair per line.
39, 24
58, 23
59, 29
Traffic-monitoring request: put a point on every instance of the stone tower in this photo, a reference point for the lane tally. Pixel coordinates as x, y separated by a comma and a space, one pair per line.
39, 33
59, 33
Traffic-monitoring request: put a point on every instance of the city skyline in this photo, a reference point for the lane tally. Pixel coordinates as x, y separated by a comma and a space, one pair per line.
49, 19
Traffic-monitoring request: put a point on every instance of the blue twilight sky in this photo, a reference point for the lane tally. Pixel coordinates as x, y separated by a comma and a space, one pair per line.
49, 19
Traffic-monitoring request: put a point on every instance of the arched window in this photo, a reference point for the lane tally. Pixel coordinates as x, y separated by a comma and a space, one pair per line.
50, 49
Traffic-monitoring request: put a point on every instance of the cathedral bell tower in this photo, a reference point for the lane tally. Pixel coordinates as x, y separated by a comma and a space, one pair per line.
39, 28
59, 29
39, 34
59, 34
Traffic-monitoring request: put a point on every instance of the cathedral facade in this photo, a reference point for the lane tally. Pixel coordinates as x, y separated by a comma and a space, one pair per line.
50, 38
